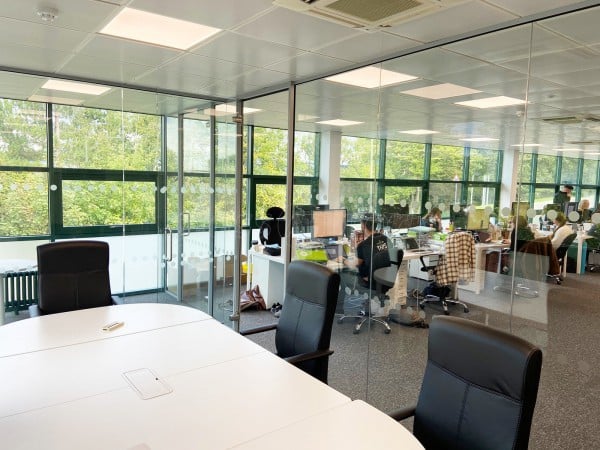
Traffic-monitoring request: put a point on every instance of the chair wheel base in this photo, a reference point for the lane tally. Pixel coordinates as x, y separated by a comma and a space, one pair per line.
356, 330
446, 312
387, 331
466, 310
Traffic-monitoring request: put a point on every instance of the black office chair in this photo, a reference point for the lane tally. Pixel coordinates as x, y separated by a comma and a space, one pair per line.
561, 255
303, 332
479, 389
451, 267
72, 275
380, 260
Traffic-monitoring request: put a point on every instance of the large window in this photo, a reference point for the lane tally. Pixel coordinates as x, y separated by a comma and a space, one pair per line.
483, 165
359, 157
404, 160
447, 163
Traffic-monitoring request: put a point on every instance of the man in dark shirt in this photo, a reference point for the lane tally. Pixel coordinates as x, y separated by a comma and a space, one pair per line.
372, 244
563, 196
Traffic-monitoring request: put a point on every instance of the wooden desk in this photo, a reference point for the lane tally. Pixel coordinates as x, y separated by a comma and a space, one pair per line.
226, 391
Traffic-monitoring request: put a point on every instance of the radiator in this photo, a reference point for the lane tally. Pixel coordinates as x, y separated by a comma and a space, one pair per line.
20, 290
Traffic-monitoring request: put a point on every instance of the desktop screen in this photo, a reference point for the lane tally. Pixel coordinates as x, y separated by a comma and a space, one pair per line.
459, 218
478, 220
569, 207
519, 209
330, 223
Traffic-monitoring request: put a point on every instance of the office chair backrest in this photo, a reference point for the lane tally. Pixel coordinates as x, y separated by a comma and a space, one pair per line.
564, 246
311, 294
73, 275
479, 389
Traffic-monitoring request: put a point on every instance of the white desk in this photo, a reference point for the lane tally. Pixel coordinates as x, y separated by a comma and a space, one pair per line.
268, 272
226, 390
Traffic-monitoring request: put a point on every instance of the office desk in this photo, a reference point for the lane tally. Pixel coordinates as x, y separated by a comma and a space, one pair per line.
226, 391
268, 272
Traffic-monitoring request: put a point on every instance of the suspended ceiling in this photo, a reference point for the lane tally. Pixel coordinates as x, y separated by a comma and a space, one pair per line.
264, 46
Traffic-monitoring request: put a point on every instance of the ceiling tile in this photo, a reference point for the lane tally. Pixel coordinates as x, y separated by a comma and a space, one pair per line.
223, 14
103, 69
208, 67
309, 64
367, 46
31, 58
175, 80
245, 50
18, 86
295, 30
83, 15
547, 65
116, 49
529, 7
37, 35
580, 26
451, 21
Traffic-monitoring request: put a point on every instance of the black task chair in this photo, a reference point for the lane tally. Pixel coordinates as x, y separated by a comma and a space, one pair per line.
365, 291
561, 255
303, 332
72, 275
479, 389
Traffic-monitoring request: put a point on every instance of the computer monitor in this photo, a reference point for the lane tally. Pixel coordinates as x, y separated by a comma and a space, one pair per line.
519, 209
569, 207
459, 218
328, 223
405, 220
302, 218
478, 220
388, 212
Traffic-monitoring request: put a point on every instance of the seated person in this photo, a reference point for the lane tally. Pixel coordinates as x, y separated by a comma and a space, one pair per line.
374, 242
561, 232
585, 213
433, 219
594, 241
564, 195
523, 233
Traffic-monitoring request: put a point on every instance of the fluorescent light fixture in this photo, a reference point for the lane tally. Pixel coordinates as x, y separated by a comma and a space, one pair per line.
339, 122
419, 132
157, 29
72, 86
439, 91
567, 149
371, 77
492, 102
527, 145
479, 139
52, 99
227, 110
306, 117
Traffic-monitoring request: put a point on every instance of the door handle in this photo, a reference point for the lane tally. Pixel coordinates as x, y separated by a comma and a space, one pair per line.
169, 232
186, 232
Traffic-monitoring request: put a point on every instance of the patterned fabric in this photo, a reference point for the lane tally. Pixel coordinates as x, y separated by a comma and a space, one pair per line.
458, 261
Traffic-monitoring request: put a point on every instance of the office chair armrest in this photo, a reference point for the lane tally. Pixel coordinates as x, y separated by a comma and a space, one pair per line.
308, 356
258, 329
403, 413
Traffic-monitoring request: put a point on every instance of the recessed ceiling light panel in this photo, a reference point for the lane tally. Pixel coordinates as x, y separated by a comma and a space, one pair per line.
439, 91
339, 122
492, 102
419, 132
71, 86
371, 77
157, 29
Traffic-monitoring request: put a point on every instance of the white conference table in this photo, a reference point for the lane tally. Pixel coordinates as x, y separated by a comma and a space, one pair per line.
63, 388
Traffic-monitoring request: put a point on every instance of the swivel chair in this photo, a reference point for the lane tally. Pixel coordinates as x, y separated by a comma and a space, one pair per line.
303, 333
561, 255
481, 397
380, 260
456, 264
72, 275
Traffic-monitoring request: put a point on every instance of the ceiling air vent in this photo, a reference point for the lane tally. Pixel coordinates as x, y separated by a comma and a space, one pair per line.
366, 14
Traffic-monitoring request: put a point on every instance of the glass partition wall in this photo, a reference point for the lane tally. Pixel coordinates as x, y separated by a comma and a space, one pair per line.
150, 174
486, 130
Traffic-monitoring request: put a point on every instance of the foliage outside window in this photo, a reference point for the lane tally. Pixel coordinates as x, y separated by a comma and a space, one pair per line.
483, 165
445, 193
589, 194
446, 163
411, 195
96, 203
359, 157
525, 167
358, 197
542, 196
226, 141
481, 196
24, 200
22, 134
546, 169
102, 139
404, 160
304, 153
270, 151
568, 173
268, 195
590, 171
